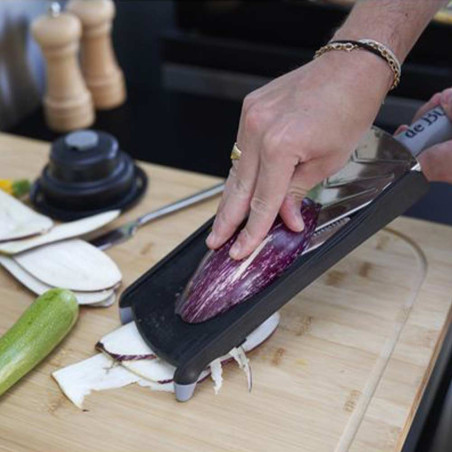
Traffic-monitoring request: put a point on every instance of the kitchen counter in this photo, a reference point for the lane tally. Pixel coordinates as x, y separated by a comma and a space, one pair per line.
345, 370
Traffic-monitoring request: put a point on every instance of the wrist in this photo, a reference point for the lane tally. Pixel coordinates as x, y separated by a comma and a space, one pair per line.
359, 26
361, 67
376, 48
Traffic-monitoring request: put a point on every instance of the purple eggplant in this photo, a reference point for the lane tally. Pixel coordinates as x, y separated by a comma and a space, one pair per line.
219, 283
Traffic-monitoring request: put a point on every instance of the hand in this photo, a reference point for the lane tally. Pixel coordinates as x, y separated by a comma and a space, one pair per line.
436, 162
294, 132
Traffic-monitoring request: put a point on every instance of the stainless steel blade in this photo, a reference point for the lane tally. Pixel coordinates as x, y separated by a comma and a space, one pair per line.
378, 154
335, 216
321, 235
332, 194
343, 208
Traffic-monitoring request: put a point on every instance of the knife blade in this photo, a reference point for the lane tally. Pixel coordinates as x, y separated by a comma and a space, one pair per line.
321, 235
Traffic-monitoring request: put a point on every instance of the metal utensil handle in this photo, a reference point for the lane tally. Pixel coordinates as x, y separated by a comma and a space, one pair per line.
432, 128
178, 205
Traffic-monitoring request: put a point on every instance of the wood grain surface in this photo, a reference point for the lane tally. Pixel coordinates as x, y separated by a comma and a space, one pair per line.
345, 370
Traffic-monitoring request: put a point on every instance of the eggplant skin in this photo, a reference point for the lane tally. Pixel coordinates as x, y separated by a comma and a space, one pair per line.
220, 282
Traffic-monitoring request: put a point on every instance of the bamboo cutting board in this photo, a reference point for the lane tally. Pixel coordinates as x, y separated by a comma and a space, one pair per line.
344, 371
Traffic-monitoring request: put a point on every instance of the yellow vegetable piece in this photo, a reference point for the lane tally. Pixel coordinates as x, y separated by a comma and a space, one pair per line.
6, 185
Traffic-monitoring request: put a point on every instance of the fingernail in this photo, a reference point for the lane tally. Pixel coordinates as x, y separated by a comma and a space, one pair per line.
299, 223
211, 240
234, 252
401, 129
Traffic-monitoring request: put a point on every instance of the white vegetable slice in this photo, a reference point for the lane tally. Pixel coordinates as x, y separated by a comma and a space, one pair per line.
103, 372
156, 370
126, 342
244, 363
99, 373
102, 304
128, 347
165, 387
72, 264
262, 332
93, 374
18, 221
216, 373
61, 232
102, 298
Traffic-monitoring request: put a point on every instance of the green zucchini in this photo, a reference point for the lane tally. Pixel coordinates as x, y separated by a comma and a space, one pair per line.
37, 332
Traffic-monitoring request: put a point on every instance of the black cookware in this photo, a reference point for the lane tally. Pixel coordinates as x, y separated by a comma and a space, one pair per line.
87, 174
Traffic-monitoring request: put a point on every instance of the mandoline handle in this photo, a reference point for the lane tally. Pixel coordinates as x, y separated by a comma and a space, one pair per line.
432, 128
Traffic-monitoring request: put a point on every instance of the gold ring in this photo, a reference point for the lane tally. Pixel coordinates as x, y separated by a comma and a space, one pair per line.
236, 153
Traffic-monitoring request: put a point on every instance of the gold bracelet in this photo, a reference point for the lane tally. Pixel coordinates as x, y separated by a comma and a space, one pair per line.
367, 44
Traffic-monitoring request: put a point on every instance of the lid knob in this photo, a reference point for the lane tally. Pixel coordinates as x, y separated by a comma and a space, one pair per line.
82, 140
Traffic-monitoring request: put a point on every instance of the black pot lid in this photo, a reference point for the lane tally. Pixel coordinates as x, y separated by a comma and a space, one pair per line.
87, 174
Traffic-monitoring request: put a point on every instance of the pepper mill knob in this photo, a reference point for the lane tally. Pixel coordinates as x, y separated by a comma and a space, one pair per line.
103, 76
67, 103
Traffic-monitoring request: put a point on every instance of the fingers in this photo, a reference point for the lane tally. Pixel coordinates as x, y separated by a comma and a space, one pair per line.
401, 129
446, 101
236, 199
432, 103
436, 162
271, 187
240, 185
290, 208
443, 98
306, 176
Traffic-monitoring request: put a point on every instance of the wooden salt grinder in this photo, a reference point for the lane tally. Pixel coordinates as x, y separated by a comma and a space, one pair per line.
102, 74
67, 102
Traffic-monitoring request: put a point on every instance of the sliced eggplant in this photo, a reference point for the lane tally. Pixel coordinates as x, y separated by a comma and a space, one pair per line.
60, 232
216, 372
125, 344
93, 374
102, 371
102, 298
106, 303
18, 221
73, 264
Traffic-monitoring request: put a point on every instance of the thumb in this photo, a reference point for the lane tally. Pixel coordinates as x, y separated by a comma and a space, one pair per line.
306, 176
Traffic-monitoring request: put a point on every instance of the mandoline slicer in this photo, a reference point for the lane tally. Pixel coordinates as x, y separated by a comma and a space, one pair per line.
381, 181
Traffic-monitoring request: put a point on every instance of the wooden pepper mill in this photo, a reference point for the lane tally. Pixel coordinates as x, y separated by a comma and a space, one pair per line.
102, 74
67, 104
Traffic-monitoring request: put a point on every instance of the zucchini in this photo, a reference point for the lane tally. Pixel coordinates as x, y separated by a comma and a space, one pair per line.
37, 332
